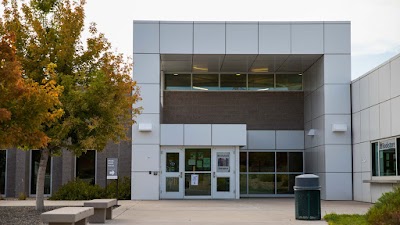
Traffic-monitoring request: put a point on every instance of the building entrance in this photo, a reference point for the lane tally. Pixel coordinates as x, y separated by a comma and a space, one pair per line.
198, 173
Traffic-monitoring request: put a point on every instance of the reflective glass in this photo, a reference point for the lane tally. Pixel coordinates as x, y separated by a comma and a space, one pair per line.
233, 82
282, 161
178, 82
223, 184
261, 184
243, 183
375, 157
261, 82
205, 82
387, 162
198, 160
285, 183
289, 82
172, 162
85, 166
295, 162
261, 161
34, 171
202, 187
243, 162
3, 159
172, 184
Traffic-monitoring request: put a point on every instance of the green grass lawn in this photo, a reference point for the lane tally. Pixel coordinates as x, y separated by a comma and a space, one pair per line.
346, 219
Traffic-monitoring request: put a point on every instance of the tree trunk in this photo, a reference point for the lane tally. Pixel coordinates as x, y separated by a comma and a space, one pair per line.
44, 156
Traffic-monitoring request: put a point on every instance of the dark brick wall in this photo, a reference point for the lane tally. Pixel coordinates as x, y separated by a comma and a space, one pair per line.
10, 176
22, 172
259, 110
56, 176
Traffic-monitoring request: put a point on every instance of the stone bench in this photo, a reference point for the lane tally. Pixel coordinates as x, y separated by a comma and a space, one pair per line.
67, 215
102, 209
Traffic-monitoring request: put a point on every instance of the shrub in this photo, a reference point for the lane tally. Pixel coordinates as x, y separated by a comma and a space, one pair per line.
386, 210
22, 196
124, 189
78, 190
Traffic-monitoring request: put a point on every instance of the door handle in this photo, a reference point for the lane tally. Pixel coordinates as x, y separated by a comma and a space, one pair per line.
214, 174
180, 174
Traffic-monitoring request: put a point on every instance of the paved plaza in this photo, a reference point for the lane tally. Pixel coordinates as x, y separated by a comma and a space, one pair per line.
266, 211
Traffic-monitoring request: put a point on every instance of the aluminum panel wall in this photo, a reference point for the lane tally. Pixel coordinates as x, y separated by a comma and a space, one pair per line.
242, 38
152, 137
145, 158
336, 38
229, 134
395, 77
337, 69
146, 37
150, 94
209, 38
176, 38
197, 134
289, 139
145, 186
307, 38
384, 82
261, 139
146, 69
274, 38
171, 134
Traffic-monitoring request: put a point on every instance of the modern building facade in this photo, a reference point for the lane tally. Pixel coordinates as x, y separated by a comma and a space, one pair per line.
238, 109
376, 131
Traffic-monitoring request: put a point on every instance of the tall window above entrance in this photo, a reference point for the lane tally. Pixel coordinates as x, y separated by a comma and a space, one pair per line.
233, 82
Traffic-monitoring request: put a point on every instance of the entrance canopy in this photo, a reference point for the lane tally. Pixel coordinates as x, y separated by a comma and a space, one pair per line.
252, 63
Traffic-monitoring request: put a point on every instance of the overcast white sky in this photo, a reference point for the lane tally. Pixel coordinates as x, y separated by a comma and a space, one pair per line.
375, 23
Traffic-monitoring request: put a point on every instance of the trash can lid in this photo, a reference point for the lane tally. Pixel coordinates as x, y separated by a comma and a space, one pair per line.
307, 181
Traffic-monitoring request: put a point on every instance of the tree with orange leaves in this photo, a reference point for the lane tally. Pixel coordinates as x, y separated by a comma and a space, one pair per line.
98, 93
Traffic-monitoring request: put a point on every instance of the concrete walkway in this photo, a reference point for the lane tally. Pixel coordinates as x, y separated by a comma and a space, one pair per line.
266, 211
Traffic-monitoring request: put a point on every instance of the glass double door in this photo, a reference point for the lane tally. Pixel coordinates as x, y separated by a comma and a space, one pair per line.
198, 173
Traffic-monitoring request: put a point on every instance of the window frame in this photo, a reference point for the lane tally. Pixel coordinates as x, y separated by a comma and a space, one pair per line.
375, 167
5, 174
50, 159
95, 166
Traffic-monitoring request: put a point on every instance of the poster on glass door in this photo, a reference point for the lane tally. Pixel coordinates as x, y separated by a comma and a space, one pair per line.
223, 161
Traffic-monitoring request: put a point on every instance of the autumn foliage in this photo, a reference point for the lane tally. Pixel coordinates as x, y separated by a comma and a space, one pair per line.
26, 106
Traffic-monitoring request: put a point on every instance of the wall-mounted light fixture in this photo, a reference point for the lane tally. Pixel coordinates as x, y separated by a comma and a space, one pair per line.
311, 132
339, 127
145, 127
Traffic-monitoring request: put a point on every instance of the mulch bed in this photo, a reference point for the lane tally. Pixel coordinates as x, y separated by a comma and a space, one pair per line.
22, 215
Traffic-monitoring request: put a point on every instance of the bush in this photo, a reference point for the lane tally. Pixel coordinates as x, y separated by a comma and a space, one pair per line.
78, 190
22, 196
345, 219
124, 189
81, 190
386, 210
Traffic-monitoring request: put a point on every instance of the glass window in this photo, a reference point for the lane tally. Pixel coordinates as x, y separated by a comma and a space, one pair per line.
295, 162
177, 81
289, 82
172, 162
261, 82
243, 183
205, 82
198, 160
35, 161
233, 81
202, 187
398, 155
86, 166
223, 184
3, 160
285, 183
261, 161
172, 184
384, 157
282, 162
375, 159
261, 184
243, 162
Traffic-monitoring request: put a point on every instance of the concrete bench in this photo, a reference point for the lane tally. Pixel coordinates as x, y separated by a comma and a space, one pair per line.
67, 216
102, 209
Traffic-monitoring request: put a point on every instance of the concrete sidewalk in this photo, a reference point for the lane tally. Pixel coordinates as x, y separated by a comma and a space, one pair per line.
267, 211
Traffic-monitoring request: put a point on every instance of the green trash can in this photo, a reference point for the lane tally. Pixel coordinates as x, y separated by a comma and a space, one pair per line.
307, 194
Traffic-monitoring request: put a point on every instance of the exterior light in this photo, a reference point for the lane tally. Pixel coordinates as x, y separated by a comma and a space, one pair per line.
238, 74
300, 74
175, 74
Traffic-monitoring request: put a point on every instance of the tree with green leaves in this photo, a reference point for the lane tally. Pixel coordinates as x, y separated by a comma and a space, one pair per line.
98, 94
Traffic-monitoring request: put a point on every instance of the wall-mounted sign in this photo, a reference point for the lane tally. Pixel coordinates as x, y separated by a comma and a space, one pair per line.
223, 161
112, 168
387, 144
